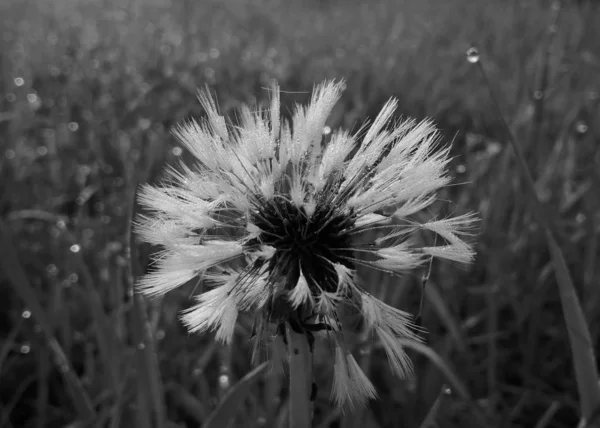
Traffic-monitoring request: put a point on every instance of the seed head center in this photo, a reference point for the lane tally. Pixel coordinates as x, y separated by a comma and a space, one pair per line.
312, 243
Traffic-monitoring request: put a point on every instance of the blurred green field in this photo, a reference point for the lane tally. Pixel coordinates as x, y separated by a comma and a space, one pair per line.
88, 92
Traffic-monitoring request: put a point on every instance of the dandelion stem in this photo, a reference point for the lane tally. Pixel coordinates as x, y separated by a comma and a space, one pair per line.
300, 359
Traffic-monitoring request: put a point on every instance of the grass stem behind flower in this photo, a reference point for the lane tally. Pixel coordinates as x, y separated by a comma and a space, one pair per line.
301, 375
580, 338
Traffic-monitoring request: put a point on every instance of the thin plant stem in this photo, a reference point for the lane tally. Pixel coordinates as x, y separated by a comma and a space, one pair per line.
584, 361
301, 366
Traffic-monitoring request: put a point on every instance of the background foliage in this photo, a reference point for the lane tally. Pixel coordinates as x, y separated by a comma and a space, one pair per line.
88, 92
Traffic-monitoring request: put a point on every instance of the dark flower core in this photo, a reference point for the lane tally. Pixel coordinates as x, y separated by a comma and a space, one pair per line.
313, 243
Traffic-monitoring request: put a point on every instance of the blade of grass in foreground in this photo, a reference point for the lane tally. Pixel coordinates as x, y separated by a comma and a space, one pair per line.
580, 339
454, 382
18, 279
233, 400
149, 380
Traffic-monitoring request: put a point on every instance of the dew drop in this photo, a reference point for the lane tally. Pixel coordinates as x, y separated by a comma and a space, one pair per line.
61, 224
26, 314
326, 130
461, 169
447, 391
73, 126
581, 127
224, 381
209, 73
144, 123
19, 81
177, 151
141, 346
364, 350
538, 95
42, 151
472, 55
73, 278
214, 53
25, 348
51, 269
32, 98
261, 421
75, 248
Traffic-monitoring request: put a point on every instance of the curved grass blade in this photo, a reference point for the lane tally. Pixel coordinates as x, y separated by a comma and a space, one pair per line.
234, 399
18, 279
580, 339
455, 383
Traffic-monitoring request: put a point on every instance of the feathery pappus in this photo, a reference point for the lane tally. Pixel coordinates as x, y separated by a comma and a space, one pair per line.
269, 218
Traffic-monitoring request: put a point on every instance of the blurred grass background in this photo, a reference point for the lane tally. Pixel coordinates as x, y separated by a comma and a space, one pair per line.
88, 92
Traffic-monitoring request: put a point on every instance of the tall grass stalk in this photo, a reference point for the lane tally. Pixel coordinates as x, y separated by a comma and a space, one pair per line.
18, 279
584, 360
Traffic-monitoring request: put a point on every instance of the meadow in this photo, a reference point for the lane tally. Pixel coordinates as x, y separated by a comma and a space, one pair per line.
89, 91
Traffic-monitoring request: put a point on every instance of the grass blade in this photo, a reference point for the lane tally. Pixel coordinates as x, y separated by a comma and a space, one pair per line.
233, 400
149, 379
580, 339
454, 381
18, 279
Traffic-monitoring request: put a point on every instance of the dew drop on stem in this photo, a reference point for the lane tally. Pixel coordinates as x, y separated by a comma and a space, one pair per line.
472, 55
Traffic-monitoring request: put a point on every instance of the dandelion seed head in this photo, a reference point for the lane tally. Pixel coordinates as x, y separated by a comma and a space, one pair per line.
272, 219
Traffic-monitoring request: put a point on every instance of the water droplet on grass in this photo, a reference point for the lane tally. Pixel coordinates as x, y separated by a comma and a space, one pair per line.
26, 314
73, 126
75, 248
51, 269
224, 381
447, 391
25, 348
472, 55
32, 98
538, 95
177, 151
42, 151
141, 346
581, 127
19, 81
